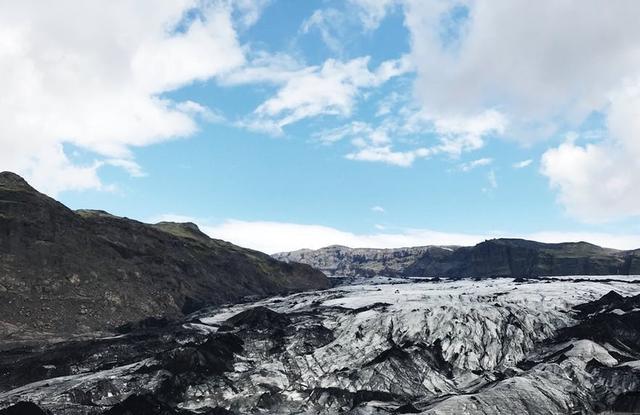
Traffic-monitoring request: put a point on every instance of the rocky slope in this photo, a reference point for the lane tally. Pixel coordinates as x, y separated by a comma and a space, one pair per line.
498, 257
64, 272
497, 346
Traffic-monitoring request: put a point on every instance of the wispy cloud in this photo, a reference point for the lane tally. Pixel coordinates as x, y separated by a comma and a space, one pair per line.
377, 209
330, 89
385, 154
448, 136
330, 23
465, 167
522, 164
492, 182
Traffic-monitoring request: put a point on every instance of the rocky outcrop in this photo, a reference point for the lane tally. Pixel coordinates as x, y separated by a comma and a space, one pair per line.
66, 272
497, 257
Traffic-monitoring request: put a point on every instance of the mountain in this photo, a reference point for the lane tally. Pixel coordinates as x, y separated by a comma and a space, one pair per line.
66, 272
497, 346
496, 257
337, 260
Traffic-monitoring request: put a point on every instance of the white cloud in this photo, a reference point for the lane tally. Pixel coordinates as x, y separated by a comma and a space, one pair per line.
465, 167
453, 135
330, 24
372, 12
205, 113
386, 155
465, 133
377, 209
386, 105
249, 11
493, 54
373, 143
493, 181
598, 181
272, 237
496, 56
129, 166
354, 129
522, 164
330, 89
266, 68
94, 81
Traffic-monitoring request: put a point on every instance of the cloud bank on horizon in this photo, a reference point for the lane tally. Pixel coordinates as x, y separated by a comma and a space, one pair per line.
563, 77
275, 237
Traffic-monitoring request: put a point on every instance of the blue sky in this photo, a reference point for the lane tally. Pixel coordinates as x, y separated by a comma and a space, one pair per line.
282, 124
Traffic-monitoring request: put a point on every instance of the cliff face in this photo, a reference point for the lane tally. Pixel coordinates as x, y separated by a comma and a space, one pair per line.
363, 262
67, 272
521, 258
498, 257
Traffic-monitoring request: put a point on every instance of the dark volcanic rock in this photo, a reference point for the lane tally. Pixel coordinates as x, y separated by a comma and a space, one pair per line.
68, 272
628, 403
142, 405
24, 408
213, 357
609, 302
258, 318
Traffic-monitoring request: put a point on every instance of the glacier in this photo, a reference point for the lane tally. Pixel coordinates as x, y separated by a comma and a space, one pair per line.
555, 345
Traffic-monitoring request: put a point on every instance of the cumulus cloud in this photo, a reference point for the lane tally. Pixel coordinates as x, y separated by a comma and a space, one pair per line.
493, 54
377, 209
598, 181
75, 74
272, 237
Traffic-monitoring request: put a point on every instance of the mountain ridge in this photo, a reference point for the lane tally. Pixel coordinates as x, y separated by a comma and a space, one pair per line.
65, 272
511, 257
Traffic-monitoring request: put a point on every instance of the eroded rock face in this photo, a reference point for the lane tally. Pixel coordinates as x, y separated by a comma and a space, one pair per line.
453, 346
64, 272
342, 261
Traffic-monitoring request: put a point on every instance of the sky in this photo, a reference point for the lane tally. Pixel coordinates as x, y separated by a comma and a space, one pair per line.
284, 124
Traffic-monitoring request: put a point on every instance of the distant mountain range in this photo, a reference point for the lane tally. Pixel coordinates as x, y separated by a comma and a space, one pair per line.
67, 272
496, 257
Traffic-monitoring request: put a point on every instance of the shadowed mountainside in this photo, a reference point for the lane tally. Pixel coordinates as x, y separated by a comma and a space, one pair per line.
66, 272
